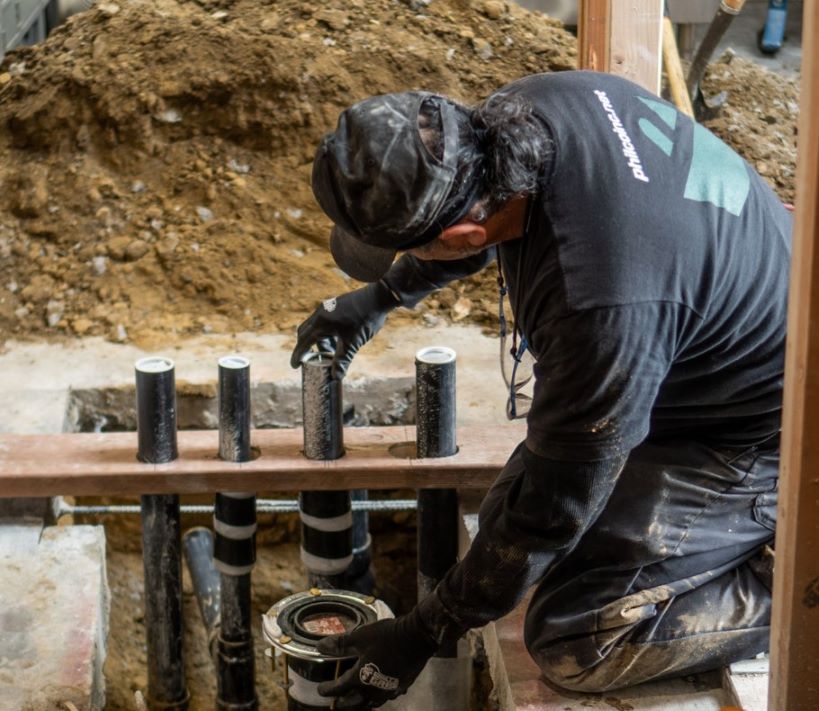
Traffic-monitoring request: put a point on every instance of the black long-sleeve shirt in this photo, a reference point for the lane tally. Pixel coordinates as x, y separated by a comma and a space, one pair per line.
651, 285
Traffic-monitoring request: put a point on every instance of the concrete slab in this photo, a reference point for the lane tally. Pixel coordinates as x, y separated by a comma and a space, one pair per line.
746, 683
53, 618
36, 377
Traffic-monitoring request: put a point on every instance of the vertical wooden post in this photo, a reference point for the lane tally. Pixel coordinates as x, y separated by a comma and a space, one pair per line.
623, 37
593, 32
794, 683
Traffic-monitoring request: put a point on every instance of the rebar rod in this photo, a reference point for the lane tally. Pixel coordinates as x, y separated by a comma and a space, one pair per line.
161, 554
263, 506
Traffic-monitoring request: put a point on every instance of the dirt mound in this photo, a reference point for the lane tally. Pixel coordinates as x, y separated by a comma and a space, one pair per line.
155, 155
759, 119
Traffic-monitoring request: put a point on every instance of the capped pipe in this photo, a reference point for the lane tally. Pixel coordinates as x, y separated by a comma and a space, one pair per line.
322, 405
436, 437
234, 552
161, 555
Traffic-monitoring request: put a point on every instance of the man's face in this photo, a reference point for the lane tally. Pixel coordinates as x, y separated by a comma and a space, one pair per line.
461, 240
446, 249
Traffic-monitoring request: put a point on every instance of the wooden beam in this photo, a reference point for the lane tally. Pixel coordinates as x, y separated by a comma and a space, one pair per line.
376, 458
593, 31
623, 37
636, 42
794, 683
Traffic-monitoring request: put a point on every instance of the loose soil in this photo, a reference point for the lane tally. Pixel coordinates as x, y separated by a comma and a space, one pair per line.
155, 155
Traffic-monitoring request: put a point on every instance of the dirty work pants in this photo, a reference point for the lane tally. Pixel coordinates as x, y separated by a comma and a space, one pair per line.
663, 582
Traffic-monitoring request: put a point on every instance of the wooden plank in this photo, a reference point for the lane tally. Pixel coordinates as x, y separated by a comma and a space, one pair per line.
623, 37
376, 458
794, 682
593, 31
673, 70
635, 44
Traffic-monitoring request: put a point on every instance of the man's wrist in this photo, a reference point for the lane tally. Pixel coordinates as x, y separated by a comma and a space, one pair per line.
392, 296
437, 621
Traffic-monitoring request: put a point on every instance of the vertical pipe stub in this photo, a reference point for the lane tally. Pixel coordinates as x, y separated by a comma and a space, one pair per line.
161, 546
234, 409
322, 405
435, 385
156, 410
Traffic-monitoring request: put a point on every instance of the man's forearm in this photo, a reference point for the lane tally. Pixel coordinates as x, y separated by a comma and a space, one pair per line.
412, 279
535, 513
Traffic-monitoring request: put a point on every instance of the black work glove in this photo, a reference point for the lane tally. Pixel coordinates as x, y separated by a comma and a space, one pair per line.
391, 655
344, 324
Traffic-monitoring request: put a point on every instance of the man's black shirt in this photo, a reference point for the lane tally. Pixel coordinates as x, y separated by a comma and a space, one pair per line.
651, 286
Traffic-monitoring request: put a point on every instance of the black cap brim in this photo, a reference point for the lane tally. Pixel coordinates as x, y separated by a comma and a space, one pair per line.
359, 260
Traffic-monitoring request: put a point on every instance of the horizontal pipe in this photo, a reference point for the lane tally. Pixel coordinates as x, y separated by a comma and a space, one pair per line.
263, 506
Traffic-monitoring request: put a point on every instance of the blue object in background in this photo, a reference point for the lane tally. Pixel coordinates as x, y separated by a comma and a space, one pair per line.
773, 33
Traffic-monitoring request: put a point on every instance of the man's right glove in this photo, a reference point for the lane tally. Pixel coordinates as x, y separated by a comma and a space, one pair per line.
347, 322
391, 654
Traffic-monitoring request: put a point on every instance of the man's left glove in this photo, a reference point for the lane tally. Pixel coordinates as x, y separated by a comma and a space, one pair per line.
391, 654
347, 323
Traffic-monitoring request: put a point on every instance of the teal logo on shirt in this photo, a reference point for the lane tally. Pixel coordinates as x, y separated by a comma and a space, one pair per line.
716, 175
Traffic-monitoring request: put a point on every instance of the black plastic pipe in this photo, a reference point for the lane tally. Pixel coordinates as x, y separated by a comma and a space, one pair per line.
326, 516
234, 550
156, 435
197, 546
436, 437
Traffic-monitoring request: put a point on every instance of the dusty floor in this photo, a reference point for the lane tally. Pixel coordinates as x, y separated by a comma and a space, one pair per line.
278, 573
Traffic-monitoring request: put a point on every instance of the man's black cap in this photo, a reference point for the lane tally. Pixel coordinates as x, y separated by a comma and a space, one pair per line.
382, 187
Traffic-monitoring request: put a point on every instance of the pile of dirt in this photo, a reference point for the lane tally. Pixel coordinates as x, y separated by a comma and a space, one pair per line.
155, 155
759, 118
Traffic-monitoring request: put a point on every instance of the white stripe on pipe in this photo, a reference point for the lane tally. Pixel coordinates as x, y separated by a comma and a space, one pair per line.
328, 525
238, 494
234, 533
233, 570
305, 691
325, 566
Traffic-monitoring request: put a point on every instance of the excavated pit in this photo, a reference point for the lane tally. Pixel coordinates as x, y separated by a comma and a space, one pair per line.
278, 572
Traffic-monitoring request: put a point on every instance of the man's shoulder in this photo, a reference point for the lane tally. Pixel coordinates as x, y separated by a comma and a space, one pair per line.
566, 81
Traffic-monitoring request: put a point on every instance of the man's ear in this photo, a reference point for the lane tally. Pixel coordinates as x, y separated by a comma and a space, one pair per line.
471, 232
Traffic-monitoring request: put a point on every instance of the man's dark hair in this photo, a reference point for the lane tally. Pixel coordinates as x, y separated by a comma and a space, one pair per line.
516, 146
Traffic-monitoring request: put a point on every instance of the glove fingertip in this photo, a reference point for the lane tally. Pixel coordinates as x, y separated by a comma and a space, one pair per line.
328, 688
332, 646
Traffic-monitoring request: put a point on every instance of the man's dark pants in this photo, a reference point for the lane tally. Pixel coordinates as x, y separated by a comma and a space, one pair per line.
664, 582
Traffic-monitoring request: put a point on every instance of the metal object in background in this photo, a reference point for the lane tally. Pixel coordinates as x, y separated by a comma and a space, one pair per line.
156, 434
293, 627
197, 546
772, 35
707, 107
326, 516
234, 548
24, 22
435, 437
